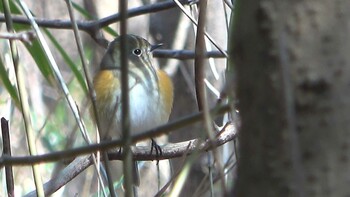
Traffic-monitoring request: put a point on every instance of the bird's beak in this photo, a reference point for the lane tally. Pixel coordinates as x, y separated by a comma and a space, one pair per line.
155, 46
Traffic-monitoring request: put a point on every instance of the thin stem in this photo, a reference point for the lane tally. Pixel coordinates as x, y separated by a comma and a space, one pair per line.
176, 174
202, 99
66, 154
93, 27
7, 151
96, 24
184, 54
26, 36
199, 62
23, 97
57, 73
183, 150
89, 84
126, 135
195, 23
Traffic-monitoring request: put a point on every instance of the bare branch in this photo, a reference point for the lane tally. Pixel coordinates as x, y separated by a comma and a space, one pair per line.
196, 23
66, 175
26, 36
184, 54
66, 154
139, 153
103, 22
7, 151
93, 27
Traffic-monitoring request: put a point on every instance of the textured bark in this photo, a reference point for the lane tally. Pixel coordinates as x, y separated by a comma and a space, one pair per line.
292, 66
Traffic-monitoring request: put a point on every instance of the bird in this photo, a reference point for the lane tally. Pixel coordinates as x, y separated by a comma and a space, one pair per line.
150, 90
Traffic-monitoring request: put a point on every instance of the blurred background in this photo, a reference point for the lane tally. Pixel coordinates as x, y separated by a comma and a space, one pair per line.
54, 125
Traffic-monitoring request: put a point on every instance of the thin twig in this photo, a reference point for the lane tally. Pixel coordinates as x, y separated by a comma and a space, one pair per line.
93, 27
96, 24
199, 62
25, 36
57, 73
125, 119
178, 42
229, 4
23, 97
67, 174
184, 54
66, 154
202, 99
7, 151
89, 84
204, 186
226, 15
208, 46
182, 8
176, 174
140, 153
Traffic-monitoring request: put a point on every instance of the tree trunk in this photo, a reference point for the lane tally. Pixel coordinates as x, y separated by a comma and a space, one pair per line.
292, 66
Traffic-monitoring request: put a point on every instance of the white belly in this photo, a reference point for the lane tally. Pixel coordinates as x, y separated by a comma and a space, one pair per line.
146, 110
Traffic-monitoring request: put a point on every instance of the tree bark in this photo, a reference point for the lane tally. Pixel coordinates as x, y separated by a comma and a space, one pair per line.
293, 74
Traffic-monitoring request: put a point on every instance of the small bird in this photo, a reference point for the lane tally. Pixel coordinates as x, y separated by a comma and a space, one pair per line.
150, 89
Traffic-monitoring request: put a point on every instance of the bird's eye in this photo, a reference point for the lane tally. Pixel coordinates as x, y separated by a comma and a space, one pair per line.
137, 52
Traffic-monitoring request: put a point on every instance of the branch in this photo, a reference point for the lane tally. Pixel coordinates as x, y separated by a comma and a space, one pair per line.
175, 150
26, 36
93, 27
66, 154
185, 54
7, 151
103, 22
139, 153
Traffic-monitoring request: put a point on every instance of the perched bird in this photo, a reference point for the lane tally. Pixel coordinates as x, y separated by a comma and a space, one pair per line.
150, 89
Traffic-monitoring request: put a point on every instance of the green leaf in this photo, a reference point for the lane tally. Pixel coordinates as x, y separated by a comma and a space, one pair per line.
7, 83
38, 54
110, 31
77, 73
34, 48
14, 9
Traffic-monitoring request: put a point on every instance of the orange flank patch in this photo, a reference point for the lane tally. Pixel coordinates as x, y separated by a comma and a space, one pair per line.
166, 89
105, 84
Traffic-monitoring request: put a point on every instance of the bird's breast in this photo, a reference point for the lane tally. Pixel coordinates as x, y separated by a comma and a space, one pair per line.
149, 106
146, 109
